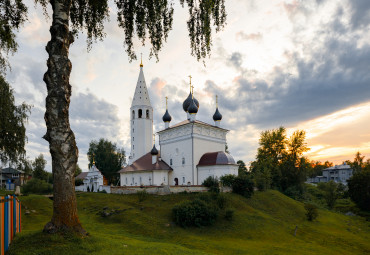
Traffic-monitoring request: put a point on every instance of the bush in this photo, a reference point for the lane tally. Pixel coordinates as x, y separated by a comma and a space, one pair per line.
243, 185
37, 186
194, 213
294, 192
212, 184
359, 189
229, 214
311, 212
79, 182
227, 180
330, 192
142, 195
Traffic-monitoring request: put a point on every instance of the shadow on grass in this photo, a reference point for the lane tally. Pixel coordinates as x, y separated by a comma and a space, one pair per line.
42, 243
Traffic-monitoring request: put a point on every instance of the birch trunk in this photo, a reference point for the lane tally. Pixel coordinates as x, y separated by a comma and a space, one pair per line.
62, 144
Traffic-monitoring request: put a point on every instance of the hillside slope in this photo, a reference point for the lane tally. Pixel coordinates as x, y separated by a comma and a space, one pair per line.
263, 224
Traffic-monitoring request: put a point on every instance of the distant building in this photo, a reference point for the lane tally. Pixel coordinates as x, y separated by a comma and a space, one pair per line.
339, 173
13, 176
93, 180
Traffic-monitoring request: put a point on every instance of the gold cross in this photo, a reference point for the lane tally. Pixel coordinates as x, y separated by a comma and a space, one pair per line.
216, 101
166, 103
154, 138
93, 159
190, 82
192, 91
141, 64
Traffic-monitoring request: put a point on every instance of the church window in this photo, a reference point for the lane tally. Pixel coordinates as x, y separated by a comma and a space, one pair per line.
133, 114
140, 113
183, 161
171, 162
140, 97
133, 130
133, 181
164, 179
140, 180
133, 146
133, 138
147, 114
183, 180
126, 180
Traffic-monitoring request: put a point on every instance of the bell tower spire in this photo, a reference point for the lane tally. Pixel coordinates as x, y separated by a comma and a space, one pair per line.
141, 121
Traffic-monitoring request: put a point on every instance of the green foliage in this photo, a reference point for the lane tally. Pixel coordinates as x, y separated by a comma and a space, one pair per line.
279, 161
317, 167
229, 213
194, 213
359, 189
262, 174
242, 169
295, 192
358, 163
12, 121
311, 212
39, 168
108, 158
227, 180
212, 184
78, 170
243, 185
13, 13
37, 186
142, 195
330, 192
79, 182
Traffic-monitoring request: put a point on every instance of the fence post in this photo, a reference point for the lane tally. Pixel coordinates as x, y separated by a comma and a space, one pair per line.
2, 232
6, 223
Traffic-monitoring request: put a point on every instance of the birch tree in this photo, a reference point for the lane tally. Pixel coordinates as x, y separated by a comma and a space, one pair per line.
149, 20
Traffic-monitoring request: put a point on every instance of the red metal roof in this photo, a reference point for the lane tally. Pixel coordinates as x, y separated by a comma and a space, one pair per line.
145, 164
216, 158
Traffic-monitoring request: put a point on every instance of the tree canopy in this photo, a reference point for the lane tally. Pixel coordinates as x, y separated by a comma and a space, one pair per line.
279, 160
12, 125
108, 158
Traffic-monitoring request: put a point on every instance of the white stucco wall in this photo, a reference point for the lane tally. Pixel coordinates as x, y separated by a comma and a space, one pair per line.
216, 171
190, 142
145, 178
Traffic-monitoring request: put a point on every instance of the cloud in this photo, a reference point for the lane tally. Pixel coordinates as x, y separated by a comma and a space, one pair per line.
241, 35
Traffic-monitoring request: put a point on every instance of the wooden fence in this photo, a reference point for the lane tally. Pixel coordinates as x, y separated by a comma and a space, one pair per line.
10, 221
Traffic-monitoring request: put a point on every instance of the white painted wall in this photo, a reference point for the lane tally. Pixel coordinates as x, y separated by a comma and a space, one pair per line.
190, 142
145, 178
216, 171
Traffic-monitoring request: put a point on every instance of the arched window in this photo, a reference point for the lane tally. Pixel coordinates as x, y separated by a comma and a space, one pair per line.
183, 161
133, 114
140, 113
171, 162
147, 114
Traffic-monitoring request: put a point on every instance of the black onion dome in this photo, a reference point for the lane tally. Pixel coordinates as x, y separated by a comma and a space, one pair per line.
186, 103
193, 107
166, 117
217, 115
154, 151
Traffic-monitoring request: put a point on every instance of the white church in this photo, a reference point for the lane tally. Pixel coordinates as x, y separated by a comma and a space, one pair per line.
190, 151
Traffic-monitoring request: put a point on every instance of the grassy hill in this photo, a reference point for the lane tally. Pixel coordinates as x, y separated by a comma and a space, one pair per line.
263, 224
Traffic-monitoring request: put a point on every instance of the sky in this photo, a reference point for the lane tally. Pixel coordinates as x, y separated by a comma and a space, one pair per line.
299, 64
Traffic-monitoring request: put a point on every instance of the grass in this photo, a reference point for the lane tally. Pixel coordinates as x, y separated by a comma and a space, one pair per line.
263, 224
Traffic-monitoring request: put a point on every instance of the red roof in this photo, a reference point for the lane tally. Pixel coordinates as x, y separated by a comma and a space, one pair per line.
216, 158
81, 176
145, 164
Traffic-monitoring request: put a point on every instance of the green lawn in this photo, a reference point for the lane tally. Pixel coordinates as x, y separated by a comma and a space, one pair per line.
263, 224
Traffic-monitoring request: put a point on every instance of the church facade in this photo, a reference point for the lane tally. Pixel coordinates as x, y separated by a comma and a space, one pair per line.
190, 151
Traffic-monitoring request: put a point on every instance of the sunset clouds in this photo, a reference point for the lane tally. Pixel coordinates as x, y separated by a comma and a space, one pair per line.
299, 64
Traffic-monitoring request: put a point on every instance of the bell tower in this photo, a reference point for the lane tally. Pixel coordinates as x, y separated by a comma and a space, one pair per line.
141, 121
